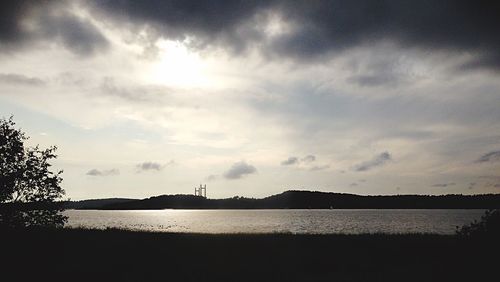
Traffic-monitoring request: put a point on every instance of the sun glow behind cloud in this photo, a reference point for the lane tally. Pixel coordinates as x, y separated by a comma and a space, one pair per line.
177, 66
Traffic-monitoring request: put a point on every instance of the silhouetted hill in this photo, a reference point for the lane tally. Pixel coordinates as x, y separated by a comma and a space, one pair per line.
95, 203
314, 200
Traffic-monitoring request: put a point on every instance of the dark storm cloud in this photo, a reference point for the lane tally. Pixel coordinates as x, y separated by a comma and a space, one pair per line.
19, 79
239, 169
443, 185
149, 166
290, 161
493, 156
222, 22
11, 16
449, 25
96, 172
78, 35
375, 162
50, 21
321, 27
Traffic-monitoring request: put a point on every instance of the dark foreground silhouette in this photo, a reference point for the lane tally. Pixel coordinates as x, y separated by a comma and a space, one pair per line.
297, 200
114, 255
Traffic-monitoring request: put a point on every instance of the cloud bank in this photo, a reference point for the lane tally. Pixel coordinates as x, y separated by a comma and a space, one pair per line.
311, 29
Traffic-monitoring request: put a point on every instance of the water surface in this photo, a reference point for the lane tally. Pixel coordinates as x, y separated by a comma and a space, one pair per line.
272, 221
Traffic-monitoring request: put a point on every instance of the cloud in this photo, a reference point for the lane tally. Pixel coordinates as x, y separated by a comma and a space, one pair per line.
382, 78
312, 29
149, 166
49, 21
96, 172
78, 35
379, 160
231, 24
212, 177
497, 185
295, 160
327, 26
290, 161
19, 79
354, 184
309, 158
442, 185
319, 167
493, 156
239, 169
11, 13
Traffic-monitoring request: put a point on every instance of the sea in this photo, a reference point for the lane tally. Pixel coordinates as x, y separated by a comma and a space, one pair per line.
332, 221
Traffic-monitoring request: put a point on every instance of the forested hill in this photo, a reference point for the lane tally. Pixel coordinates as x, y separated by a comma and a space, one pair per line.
95, 203
309, 200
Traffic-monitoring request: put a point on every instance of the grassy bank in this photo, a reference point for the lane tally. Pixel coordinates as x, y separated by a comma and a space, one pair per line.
114, 255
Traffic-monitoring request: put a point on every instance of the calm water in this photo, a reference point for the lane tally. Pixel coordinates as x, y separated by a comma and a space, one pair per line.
270, 221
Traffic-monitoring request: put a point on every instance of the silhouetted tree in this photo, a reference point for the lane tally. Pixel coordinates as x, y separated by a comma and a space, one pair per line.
28, 189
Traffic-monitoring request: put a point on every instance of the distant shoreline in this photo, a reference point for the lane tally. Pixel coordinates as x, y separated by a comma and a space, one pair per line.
295, 200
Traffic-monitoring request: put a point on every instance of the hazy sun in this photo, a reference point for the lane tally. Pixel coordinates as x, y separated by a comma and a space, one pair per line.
178, 66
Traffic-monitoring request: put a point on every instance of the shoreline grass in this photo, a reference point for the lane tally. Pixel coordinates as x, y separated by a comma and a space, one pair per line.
121, 255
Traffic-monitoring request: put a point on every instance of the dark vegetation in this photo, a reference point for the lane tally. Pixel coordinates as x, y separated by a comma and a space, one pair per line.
28, 188
95, 203
114, 255
301, 200
487, 228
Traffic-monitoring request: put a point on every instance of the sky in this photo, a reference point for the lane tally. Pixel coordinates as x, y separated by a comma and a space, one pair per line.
253, 98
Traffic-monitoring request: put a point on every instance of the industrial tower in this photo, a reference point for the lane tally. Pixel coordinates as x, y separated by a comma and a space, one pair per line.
201, 191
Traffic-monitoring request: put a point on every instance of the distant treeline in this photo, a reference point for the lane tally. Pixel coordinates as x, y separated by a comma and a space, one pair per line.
298, 200
95, 203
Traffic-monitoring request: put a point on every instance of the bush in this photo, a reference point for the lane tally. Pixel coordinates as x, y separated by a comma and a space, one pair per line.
488, 226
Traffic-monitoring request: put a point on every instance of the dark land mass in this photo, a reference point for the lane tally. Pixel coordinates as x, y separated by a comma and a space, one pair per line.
79, 205
299, 200
96, 203
114, 255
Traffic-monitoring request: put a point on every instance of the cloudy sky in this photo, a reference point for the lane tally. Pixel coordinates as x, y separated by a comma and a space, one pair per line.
257, 97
